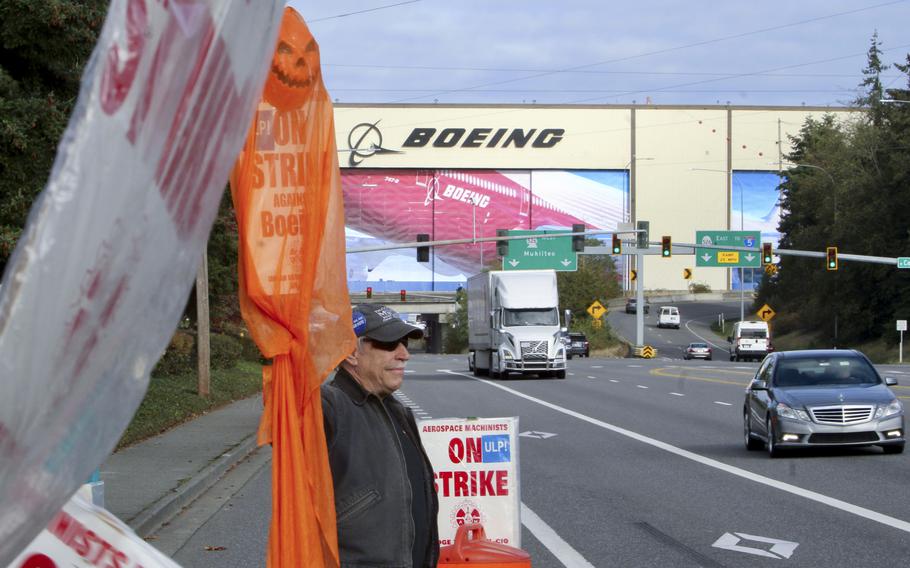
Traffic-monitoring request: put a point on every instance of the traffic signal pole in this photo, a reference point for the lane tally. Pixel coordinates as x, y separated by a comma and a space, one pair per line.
640, 300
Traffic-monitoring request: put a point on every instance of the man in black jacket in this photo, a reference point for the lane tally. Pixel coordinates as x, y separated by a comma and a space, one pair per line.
385, 499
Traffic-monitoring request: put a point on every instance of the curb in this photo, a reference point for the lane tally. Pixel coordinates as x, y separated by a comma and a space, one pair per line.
167, 507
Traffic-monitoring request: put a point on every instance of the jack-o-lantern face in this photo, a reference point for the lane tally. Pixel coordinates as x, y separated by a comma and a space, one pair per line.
295, 65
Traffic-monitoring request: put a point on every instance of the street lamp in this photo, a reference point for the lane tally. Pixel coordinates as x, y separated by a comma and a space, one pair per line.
894, 101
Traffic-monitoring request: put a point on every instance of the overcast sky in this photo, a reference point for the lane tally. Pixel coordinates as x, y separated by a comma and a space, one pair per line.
773, 52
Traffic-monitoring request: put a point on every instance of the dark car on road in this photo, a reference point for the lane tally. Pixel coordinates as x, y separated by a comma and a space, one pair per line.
577, 344
825, 397
632, 306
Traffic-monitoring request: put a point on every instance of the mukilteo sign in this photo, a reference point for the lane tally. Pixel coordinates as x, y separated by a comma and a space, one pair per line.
365, 139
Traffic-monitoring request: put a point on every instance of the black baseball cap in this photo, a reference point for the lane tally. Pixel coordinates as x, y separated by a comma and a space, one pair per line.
382, 324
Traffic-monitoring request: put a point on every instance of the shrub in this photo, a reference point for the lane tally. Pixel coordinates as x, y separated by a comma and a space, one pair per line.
226, 351
250, 352
699, 288
179, 357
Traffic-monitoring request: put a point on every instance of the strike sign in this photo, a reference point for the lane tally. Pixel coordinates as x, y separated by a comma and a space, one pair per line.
476, 470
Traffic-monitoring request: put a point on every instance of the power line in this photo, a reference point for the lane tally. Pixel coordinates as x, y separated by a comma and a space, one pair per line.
661, 51
586, 72
362, 11
740, 75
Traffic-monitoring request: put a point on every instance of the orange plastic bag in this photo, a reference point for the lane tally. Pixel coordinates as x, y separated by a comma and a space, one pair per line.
293, 289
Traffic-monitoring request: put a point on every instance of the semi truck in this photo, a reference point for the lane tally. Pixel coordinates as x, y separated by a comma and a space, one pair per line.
513, 324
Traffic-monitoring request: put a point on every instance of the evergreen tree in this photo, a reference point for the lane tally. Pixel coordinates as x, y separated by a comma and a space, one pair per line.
44, 45
872, 82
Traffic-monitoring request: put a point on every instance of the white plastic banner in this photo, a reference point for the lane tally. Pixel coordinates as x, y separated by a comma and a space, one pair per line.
476, 467
101, 274
83, 535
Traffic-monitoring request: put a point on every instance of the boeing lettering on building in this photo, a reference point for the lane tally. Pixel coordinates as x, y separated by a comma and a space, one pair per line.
365, 139
477, 137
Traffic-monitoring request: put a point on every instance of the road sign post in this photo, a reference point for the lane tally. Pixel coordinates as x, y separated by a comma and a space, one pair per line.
901, 327
541, 250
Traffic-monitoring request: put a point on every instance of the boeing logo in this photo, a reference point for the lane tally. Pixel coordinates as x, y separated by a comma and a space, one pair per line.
365, 139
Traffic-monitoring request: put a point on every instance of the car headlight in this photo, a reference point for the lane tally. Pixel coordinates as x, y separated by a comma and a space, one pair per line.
792, 413
884, 410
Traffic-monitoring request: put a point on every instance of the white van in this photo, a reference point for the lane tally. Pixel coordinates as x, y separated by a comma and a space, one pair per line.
751, 340
668, 317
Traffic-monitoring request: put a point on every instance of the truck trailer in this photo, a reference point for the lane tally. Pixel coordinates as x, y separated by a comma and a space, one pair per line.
513, 324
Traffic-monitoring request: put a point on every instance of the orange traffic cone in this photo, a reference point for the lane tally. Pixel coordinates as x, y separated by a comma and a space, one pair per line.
472, 549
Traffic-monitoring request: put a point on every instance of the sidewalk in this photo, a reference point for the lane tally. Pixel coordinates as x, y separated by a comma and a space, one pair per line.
148, 483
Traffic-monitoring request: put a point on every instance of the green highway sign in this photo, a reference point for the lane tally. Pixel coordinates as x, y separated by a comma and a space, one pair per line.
541, 250
903, 262
728, 258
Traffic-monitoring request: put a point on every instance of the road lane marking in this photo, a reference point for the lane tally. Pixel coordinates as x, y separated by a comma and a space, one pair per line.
613, 381
552, 541
832, 502
663, 373
677, 394
705, 339
641, 386
779, 548
722, 403
591, 377
536, 434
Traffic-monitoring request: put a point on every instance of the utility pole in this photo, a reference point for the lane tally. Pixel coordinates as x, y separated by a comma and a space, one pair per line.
203, 344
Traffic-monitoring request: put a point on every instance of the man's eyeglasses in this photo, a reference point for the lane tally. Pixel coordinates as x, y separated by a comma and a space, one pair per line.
388, 345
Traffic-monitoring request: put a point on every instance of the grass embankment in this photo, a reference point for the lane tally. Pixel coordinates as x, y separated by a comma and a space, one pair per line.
173, 400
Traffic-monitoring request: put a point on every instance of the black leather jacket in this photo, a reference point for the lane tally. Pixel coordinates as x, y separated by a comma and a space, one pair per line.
372, 489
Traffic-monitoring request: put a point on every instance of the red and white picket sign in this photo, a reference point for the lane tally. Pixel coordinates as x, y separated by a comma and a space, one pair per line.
101, 274
475, 461
82, 534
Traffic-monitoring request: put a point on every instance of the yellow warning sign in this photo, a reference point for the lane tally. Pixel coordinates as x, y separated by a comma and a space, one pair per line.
766, 313
596, 309
646, 352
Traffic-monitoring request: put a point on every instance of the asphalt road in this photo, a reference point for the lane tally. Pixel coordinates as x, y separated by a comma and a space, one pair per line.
646, 467
695, 321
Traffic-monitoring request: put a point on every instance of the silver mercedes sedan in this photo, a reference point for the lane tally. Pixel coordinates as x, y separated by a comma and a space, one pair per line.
821, 398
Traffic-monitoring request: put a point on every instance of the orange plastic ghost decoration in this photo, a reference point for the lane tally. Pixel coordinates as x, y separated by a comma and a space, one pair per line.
295, 65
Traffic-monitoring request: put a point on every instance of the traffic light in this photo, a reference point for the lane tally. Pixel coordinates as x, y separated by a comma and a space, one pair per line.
617, 245
578, 241
502, 247
404, 296
423, 253
766, 257
832, 258
369, 292
666, 247
633, 274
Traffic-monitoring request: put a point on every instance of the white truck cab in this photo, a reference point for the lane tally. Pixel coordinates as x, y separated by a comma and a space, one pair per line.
668, 317
751, 340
